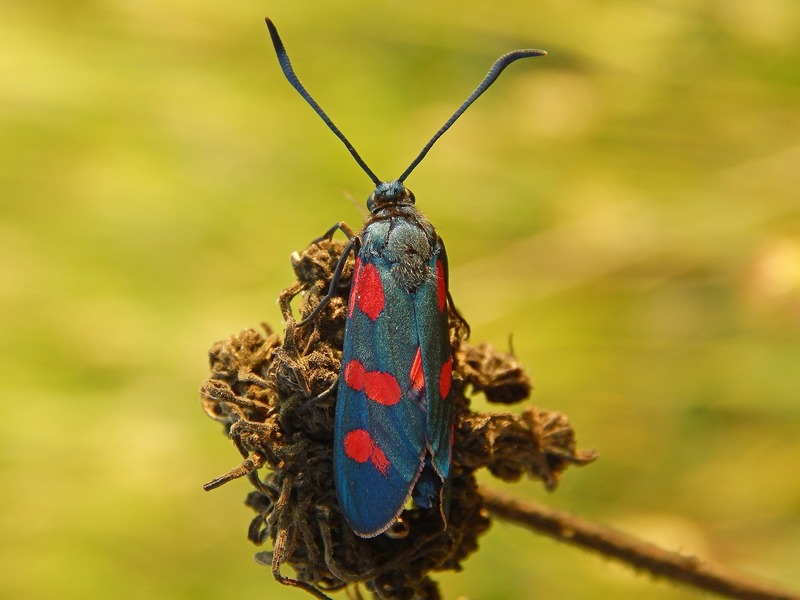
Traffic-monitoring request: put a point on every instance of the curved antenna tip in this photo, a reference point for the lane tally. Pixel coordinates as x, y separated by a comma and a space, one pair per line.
499, 65
291, 76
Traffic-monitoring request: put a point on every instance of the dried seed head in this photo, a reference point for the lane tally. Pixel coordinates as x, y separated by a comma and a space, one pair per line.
276, 398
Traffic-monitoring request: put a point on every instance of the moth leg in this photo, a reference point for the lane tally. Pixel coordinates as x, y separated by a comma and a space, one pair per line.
340, 226
457, 313
352, 246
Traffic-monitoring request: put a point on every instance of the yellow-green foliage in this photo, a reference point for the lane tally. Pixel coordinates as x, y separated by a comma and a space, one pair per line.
627, 208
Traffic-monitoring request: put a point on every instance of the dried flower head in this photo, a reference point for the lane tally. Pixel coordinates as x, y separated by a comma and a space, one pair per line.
276, 400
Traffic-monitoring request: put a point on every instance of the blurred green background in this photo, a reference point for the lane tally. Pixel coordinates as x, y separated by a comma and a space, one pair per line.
627, 208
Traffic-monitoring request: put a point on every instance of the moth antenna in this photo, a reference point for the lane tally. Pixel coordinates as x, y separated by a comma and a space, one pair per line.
497, 68
288, 71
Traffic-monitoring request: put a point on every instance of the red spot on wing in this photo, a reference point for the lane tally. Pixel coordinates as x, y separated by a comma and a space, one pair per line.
382, 388
380, 461
441, 287
445, 377
354, 287
379, 387
354, 373
369, 291
416, 375
359, 446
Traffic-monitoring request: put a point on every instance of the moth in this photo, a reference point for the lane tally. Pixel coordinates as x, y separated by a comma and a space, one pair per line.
393, 436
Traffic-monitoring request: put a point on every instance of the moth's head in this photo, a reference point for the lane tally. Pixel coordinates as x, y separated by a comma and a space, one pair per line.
389, 193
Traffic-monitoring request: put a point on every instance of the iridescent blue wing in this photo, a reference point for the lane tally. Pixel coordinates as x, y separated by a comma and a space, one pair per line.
389, 403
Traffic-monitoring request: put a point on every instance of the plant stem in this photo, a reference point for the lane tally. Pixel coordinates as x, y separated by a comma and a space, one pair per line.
625, 548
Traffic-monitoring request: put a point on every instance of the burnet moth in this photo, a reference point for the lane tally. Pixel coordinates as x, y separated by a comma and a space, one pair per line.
393, 434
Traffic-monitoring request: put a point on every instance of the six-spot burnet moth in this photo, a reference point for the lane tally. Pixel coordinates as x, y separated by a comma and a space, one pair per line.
393, 435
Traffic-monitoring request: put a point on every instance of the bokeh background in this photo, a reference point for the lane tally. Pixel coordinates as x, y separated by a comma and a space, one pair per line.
626, 208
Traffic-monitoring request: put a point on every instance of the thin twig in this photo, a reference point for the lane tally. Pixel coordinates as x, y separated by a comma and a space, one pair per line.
636, 553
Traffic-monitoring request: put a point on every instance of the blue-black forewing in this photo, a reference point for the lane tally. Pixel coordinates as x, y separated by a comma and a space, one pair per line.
371, 497
371, 492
